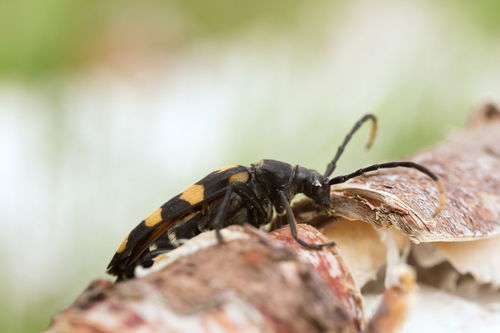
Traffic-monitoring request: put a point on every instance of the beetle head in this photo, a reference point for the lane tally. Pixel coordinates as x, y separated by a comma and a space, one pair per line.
314, 185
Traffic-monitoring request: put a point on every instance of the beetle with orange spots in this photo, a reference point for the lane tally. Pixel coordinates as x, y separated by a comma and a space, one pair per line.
236, 195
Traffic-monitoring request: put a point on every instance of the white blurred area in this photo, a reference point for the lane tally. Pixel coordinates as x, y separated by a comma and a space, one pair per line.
83, 161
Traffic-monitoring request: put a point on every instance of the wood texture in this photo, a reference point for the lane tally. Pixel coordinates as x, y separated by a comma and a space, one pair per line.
468, 163
254, 282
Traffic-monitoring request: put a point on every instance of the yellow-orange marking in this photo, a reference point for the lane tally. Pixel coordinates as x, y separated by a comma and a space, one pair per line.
123, 245
226, 168
239, 177
153, 219
193, 194
151, 239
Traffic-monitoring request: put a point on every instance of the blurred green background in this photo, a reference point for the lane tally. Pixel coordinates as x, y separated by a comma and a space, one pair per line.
109, 108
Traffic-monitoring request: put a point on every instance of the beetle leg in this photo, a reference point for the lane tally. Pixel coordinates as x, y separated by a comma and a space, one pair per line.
247, 194
221, 213
293, 225
332, 165
148, 259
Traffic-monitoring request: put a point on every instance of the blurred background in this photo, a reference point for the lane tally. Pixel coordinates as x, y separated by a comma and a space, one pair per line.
109, 108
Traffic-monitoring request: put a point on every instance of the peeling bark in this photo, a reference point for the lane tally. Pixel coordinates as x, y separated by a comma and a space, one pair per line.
251, 282
468, 164
402, 202
267, 283
396, 301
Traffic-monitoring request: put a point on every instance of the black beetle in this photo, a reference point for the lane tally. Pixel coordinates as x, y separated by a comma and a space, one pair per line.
237, 195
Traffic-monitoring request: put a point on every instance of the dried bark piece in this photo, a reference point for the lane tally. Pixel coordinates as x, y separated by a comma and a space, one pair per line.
333, 269
362, 247
472, 257
396, 302
439, 311
468, 164
250, 282
485, 114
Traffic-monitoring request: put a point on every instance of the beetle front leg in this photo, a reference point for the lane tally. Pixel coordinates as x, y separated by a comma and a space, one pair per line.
293, 225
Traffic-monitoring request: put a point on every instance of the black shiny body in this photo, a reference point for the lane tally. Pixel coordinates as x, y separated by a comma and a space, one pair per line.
236, 195
267, 179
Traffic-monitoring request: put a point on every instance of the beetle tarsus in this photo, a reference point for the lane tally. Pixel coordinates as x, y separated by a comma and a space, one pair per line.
218, 236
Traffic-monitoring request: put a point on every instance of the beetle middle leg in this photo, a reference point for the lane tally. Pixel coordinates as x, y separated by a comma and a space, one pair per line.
293, 225
246, 194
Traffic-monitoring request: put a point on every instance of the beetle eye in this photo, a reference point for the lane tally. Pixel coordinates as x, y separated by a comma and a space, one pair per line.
316, 183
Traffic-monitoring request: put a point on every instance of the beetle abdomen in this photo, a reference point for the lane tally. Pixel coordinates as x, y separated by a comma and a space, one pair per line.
184, 207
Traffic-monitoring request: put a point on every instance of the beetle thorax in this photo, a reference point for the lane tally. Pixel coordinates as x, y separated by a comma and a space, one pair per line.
292, 180
274, 174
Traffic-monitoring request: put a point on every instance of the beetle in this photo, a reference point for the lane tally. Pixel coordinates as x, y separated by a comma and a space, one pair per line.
237, 195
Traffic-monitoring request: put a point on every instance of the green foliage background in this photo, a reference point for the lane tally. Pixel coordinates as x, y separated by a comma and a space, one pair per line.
46, 46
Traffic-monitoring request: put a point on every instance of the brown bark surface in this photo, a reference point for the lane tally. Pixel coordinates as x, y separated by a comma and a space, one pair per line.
468, 163
267, 283
254, 282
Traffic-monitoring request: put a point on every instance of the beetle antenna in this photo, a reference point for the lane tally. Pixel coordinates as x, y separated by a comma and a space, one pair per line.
333, 164
421, 168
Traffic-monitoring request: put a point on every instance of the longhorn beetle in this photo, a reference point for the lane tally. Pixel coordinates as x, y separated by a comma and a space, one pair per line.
236, 195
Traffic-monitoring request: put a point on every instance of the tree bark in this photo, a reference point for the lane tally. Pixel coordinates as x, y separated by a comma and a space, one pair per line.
251, 282
257, 282
468, 163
